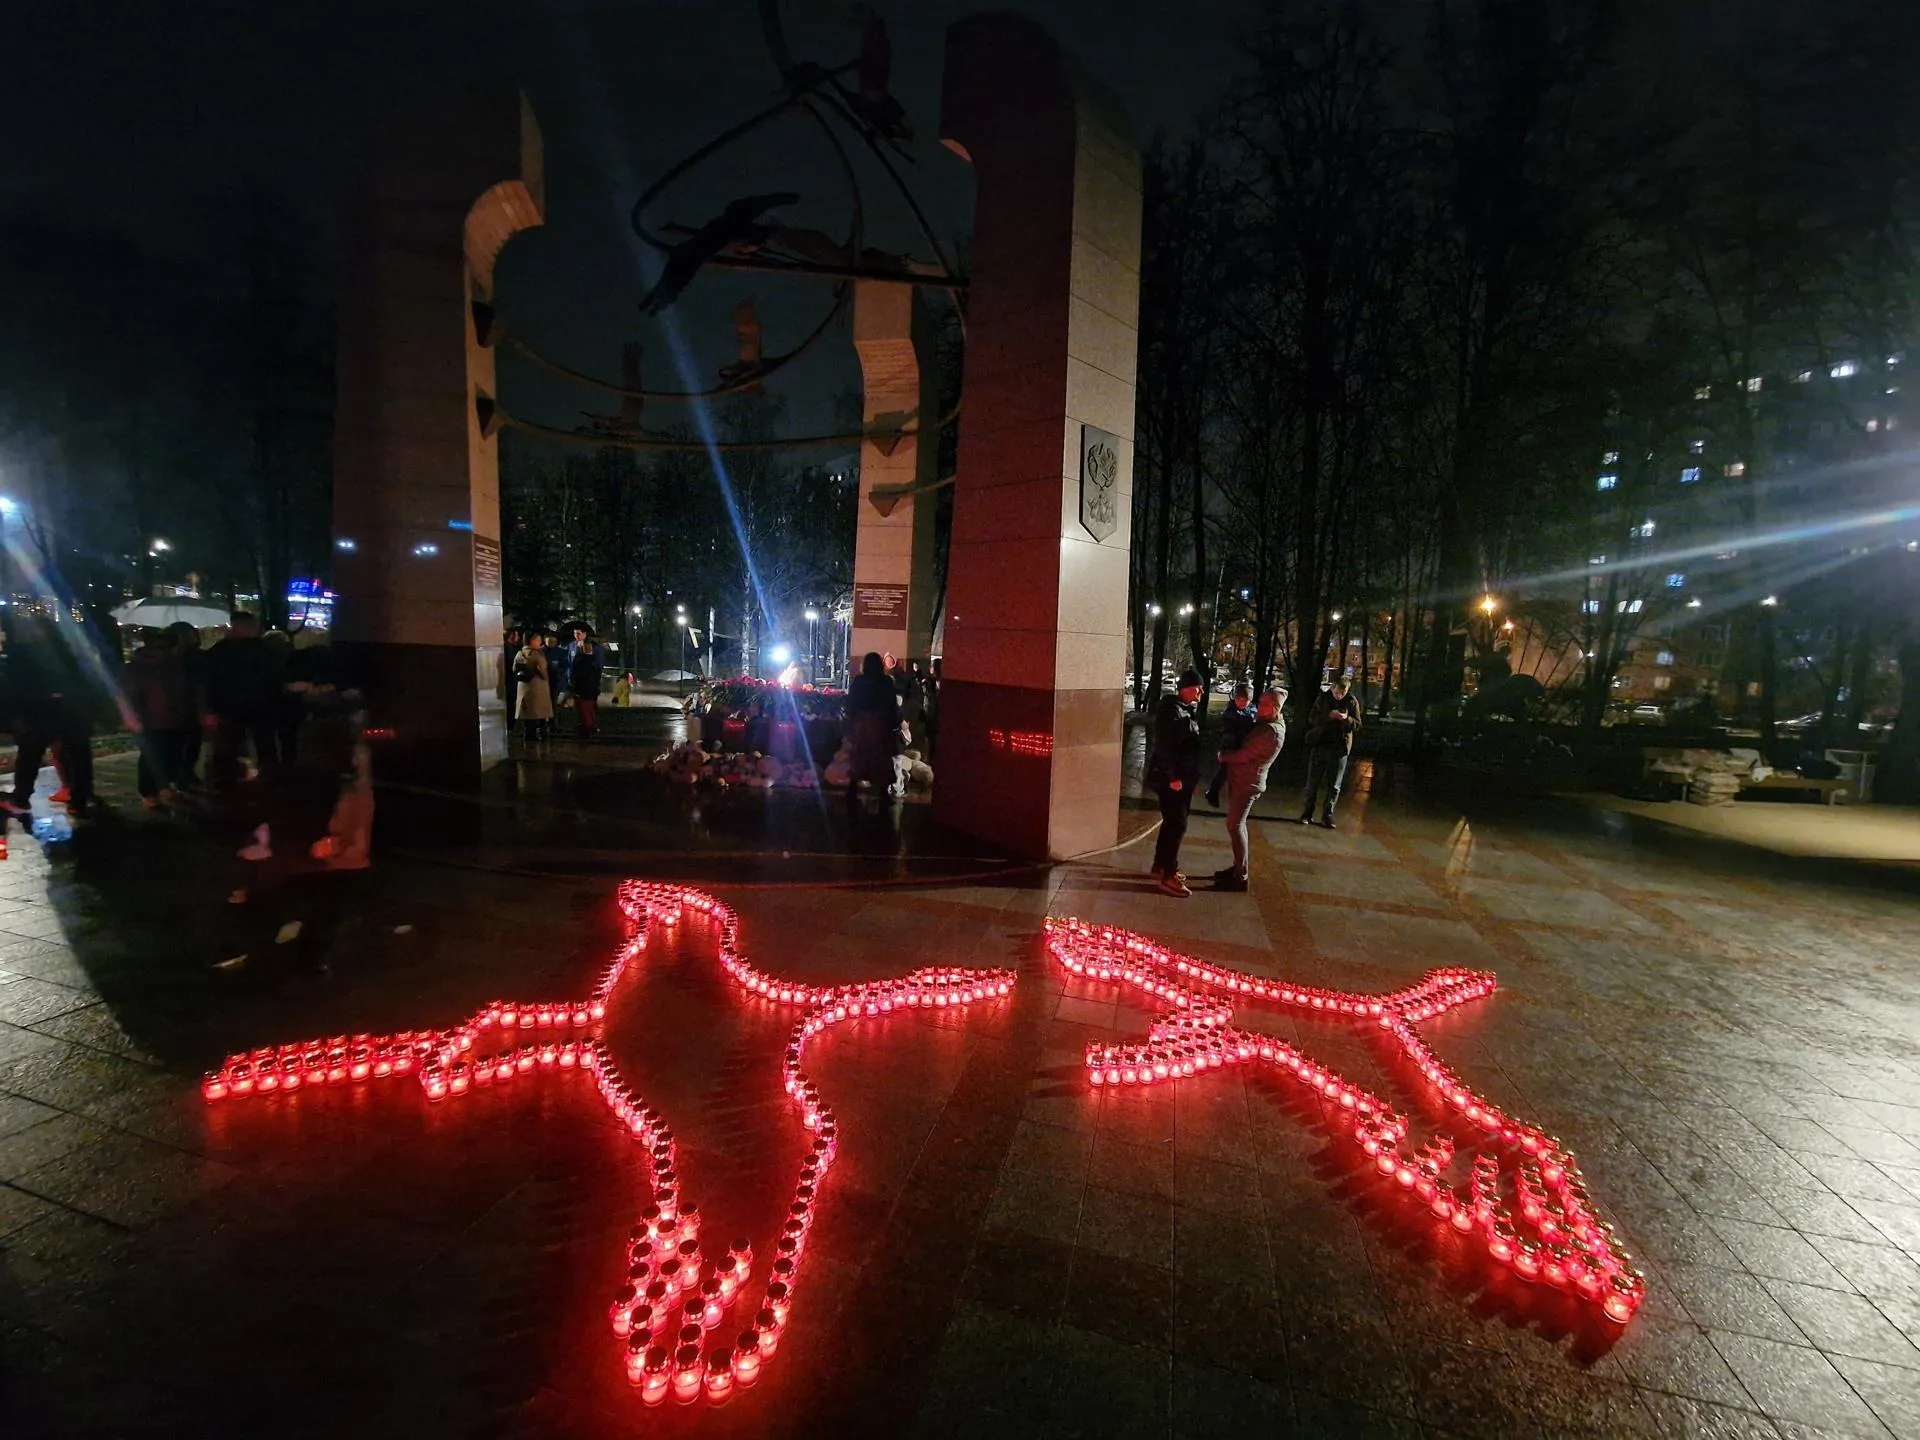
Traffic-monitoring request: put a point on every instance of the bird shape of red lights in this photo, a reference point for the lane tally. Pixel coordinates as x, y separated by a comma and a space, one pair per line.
677, 1291
1556, 1238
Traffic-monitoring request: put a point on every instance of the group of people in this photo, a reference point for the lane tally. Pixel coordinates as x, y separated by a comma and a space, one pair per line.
545, 674
891, 708
1251, 739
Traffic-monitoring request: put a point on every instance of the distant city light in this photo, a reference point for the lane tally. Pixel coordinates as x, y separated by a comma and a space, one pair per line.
425, 549
781, 654
812, 615
1694, 604
9, 506
344, 544
1771, 600
158, 546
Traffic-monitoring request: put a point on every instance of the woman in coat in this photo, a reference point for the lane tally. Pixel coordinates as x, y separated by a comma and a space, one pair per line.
534, 693
873, 728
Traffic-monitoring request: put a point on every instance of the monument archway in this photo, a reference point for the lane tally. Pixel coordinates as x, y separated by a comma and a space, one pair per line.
1036, 595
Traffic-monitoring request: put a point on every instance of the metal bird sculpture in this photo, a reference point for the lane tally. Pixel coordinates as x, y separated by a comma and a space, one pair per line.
736, 226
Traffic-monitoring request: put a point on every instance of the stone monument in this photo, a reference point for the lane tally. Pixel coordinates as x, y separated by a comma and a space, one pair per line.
1032, 702
416, 492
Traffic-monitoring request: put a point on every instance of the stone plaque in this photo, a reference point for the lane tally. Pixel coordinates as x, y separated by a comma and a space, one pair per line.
1099, 481
880, 607
486, 570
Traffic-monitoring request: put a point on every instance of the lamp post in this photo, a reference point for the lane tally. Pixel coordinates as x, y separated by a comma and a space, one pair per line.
813, 651
680, 675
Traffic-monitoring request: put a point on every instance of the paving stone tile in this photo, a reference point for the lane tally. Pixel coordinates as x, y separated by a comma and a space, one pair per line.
1776, 1253
1790, 1383
1891, 1393
1845, 1324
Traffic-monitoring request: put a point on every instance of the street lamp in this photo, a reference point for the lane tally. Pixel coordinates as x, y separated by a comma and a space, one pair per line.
1488, 604
680, 675
158, 546
813, 650
1153, 609
1187, 609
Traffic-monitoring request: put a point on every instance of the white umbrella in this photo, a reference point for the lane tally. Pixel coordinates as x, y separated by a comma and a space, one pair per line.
159, 614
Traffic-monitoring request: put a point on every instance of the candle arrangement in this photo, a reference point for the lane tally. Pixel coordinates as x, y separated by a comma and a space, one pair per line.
671, 1307
1550, 1233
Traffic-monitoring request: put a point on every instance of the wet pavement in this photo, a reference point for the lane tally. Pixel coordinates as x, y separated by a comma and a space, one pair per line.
1725, 1040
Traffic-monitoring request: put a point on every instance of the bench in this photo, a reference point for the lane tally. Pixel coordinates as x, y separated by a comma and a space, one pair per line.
1831, 792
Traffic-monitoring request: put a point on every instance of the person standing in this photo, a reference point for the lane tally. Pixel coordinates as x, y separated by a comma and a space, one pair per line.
156, 689
933, 707
509, 688
243, 694
193, 666
1236, 721
49, 707
1173, 771
873, 727
535, 691
1330, 726
1246, 767
554, 651
585, 661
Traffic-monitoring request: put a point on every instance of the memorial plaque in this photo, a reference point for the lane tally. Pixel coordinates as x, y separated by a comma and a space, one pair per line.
486, 570
1099, 481
880, 607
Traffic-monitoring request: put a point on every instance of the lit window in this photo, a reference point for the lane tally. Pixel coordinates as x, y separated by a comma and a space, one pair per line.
1703, 392
1612, 457
1735, 469
1753, 383
1872, 425
1590, 607
1696, 447
1690, 475
1607, 482
1694, 604
1843, 369
1677, 580
1662, 682
1596, 559
1665, 657
1627, 607
1644, 530
1803, 377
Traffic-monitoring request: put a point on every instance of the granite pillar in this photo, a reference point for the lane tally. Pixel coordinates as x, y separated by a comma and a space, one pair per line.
1032, 700
893, 546
416, 494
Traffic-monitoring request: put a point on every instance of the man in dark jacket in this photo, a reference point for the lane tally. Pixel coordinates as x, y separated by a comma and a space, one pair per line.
1330, 726
585, 662
49, 706
1235, 721
1173, 772
243, 683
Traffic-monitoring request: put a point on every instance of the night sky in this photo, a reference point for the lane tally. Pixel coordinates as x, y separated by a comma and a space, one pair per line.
134, 116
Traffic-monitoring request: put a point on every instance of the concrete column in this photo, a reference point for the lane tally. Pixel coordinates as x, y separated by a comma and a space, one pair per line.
1032, 701
416, 494
893, 546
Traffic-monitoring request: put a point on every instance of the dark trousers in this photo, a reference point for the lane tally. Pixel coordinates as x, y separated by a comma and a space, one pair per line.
235, 734
1325, 770
163, 760
75, 742
1174, 805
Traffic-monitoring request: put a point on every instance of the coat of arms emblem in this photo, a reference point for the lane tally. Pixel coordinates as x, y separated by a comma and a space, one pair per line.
1099, 481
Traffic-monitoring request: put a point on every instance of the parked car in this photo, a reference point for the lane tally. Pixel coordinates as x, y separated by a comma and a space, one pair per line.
1646, 715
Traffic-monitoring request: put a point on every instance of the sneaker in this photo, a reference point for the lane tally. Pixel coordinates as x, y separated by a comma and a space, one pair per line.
60, 796
1226, 872
1327, 824
1235, 884
1175, 885
1303, 819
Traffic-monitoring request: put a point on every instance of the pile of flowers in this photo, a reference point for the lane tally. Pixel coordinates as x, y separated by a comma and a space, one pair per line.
747, 697
689, 764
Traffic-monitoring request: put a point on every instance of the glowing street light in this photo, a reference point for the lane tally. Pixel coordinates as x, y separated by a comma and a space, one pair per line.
1153, 609
780, 654
1335, 615
1187, 609
1771, 601
813, 650
158, 546
9, 507
1488, 604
